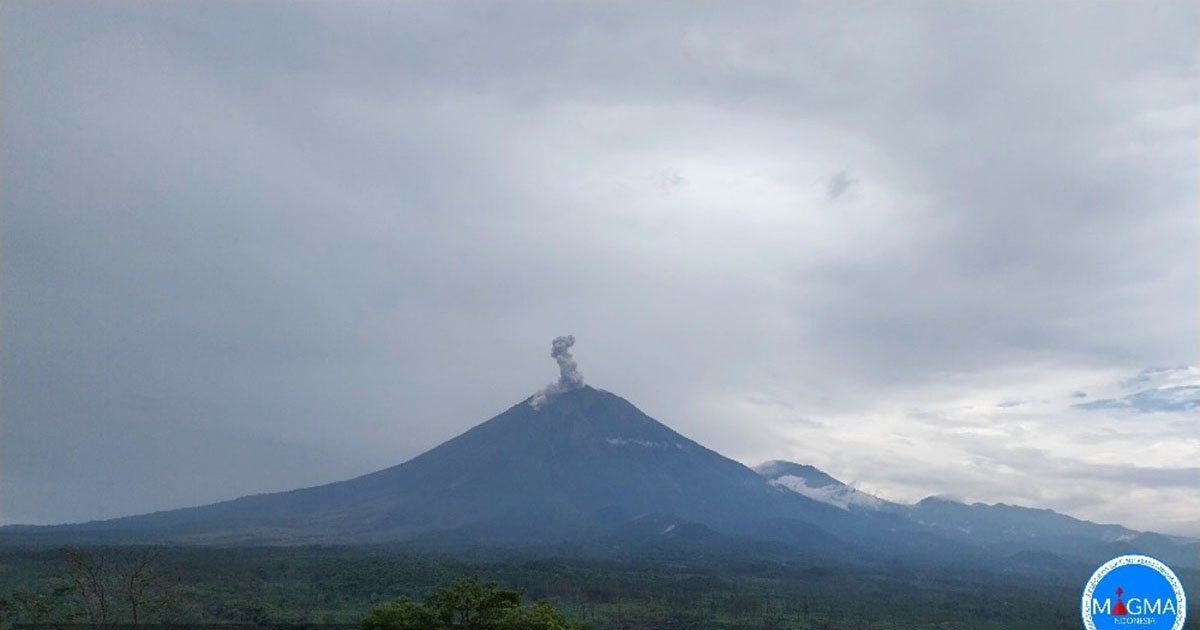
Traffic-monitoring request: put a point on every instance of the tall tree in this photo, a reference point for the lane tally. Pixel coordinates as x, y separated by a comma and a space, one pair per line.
467, 604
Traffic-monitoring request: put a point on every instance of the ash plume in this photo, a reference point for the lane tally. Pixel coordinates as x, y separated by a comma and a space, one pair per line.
569, 376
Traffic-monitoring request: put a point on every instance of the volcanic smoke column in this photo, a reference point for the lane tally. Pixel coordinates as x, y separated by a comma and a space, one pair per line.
568, 372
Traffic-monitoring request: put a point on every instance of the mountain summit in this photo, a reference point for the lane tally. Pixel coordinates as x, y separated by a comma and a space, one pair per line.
579, 457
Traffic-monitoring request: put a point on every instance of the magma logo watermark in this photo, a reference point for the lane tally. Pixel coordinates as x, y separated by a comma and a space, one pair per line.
1134, 592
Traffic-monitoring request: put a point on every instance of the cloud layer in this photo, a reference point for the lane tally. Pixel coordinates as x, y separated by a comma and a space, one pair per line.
253, 246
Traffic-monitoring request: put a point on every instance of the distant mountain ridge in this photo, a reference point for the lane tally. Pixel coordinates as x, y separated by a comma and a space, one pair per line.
998, 527
585, 469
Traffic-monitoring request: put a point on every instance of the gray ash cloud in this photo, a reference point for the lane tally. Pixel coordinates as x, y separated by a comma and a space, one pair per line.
569, 376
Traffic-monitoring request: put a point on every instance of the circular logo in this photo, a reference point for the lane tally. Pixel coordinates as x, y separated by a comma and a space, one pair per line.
1134, 592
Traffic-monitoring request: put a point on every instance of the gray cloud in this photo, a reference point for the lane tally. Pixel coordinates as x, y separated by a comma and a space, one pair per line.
1104, 403
1038, 462
838, 184
336, 236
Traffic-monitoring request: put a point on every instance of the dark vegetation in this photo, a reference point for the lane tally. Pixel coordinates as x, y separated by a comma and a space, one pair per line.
385, 588
468, 604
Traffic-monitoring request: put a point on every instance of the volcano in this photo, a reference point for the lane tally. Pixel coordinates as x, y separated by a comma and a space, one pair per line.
581, 461
582, 466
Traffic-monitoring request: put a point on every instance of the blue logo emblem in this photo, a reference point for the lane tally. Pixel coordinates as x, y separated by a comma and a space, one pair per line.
1134, 592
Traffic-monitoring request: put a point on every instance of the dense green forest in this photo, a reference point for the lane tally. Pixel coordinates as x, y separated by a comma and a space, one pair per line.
347, 585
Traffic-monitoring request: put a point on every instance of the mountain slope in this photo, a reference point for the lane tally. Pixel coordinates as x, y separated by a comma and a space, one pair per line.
1012, 527
1010, 523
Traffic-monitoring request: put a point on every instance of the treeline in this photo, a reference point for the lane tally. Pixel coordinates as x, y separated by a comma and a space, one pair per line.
341, 585
99, 588
106, 588
468, 604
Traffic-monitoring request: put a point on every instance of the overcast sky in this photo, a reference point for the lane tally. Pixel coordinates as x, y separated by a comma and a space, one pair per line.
930, 248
